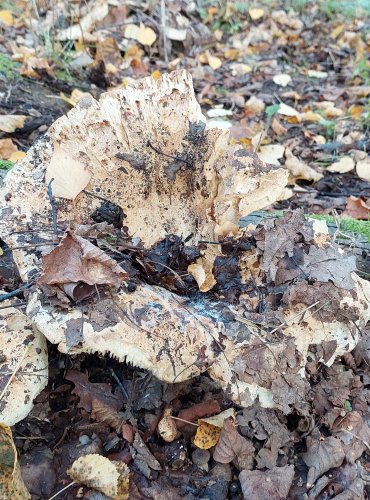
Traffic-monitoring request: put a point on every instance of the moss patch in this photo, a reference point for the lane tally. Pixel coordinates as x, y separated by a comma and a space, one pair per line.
348, 225
6, 164
8, 67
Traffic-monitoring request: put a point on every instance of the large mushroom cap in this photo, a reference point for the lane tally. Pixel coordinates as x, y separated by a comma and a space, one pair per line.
147, 151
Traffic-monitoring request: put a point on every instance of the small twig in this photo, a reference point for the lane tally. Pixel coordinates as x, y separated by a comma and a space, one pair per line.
9, 295
285, 323
163, 22
14, 372
182, 420
53, 209
120, 385
63, 489
177, 158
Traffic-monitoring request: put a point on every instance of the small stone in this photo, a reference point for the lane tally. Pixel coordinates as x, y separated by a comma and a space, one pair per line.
201, 458
223, 470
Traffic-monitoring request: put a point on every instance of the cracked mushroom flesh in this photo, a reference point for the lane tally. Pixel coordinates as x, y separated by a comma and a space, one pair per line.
145, 158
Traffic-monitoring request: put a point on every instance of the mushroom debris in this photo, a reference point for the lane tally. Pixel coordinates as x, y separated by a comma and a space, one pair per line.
136, 250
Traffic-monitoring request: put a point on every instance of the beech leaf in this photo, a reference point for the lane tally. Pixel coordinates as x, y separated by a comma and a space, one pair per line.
321, 456
268, 485
231, 444
76, 259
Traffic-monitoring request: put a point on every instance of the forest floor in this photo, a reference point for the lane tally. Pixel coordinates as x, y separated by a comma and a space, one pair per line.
290, 81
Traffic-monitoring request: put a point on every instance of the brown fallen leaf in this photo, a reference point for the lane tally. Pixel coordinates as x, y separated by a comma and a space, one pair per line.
167, 426
9, 123
11, 482
77, 260
89, 392
354, 432
357, 208
232, 445
299, 170
36, 67
98, 472
142, 456
106, 414
7, 148
321, 456
197, 411
267, 485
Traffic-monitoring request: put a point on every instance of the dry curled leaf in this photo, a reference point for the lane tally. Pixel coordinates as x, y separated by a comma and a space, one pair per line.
232, 445
354, 432
345, 164
299, 170
197, 411
77, 260
321, 456
357, 208
167, 427
98, 472
105, 413
89, 392
268, 485
11, 482
9, 123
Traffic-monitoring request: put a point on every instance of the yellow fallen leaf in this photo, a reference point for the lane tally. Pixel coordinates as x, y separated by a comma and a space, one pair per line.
156, 74
282, 79
218, 34
7, 148
363, 169
214, 61
310, 116
286, 110
254, 105
75, 97
317, 74
1, 252
256, 13
145, 35
299, 170
11, 482
9, 123
337, 31
345, 164
207, 435
6, 17
131, 31
16, 156
232, 54
102, 474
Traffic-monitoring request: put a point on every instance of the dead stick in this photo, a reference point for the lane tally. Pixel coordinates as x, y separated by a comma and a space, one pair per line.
53, 208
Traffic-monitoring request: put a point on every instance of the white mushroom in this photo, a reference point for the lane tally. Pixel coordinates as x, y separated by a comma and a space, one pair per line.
147, 149
23, 365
